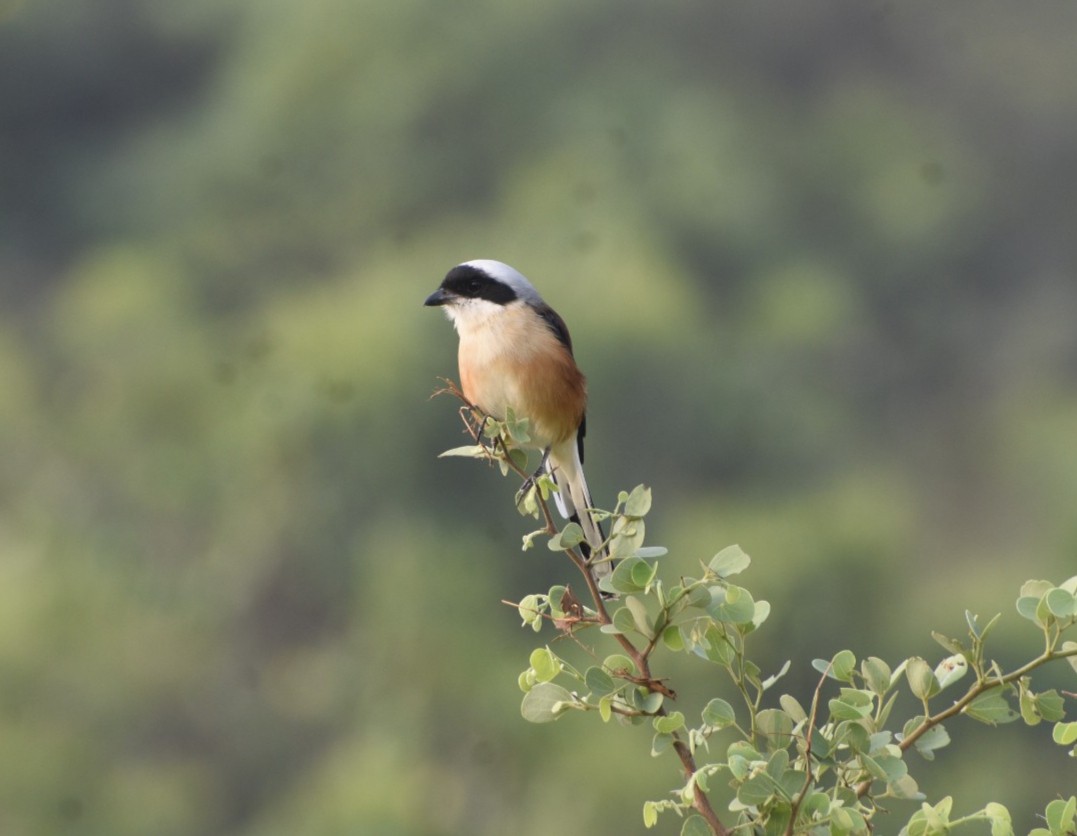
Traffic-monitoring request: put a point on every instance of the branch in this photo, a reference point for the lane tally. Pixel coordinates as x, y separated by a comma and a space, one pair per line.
980, 687
468, 414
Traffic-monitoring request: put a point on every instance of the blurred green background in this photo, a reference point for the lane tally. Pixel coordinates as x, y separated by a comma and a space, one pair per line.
819, 264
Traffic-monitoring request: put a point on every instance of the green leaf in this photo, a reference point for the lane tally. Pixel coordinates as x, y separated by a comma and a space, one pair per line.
1049, 705
516, 429
529, 538
778, 816
470, 451
883, 715
638, 502
816, 804
650, 701
729, 561
627, 536
793, 708
987, 627
621, 580
942, 811
617, 664
755, 790
699, 596
545, 703
893, 765
643, 573
999, 816
660, 743
718, 648
640, 618
776, 726
651, 552
953, 645
739, 767
1032, 604
718, 714
1064, 733
545, 664
770, 680
695, 826
852, 704
991, 708
623, 621
605, 708
598, 681
876, 675
568, 537
846, 820
527, 502
519, 458
1069, 647
1027, 606
1036, 589
921, 678
1061, 815
1061, 603
872, 767
528, 610
843, 664
760, 614
905, 788
839, 668
1043, 615
669, 723
650, 814
950, 670
852, 733
934, 738
841, 821
672, 638
777, 764
1026, 704
731, 604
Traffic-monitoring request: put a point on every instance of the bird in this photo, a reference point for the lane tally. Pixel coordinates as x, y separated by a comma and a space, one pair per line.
515, 353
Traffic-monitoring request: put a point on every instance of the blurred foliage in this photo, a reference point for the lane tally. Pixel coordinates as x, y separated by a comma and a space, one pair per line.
819, 265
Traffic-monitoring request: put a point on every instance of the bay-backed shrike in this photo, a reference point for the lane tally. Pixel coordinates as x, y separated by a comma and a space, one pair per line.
515, 352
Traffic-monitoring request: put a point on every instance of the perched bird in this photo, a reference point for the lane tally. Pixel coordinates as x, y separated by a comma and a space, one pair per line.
515, 352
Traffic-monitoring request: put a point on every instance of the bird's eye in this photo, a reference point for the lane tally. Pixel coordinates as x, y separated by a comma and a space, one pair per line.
473, 286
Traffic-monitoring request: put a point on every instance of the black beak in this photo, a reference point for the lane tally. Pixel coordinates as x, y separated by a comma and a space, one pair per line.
438, 297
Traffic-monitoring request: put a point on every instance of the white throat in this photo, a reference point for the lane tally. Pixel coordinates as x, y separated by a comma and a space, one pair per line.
470, 316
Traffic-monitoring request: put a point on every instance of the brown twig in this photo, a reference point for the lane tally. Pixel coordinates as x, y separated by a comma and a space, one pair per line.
980, 687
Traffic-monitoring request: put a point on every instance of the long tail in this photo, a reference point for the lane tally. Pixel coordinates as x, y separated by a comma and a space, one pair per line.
574, 499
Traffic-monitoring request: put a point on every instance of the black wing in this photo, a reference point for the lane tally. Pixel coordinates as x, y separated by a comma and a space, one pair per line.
556, 324
560, 330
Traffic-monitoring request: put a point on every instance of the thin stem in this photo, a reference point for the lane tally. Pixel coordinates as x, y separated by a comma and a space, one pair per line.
790, 828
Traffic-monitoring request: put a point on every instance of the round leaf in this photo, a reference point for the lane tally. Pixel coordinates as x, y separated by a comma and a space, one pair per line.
729, 561
718, 713
921, 679
545, 703
638, 502
545, 664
